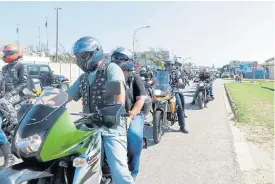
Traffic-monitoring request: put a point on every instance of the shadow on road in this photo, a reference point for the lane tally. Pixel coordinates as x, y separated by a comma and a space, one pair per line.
190, 91
189, 106
148, 133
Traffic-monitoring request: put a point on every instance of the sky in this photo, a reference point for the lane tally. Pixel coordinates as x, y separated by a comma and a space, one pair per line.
208, 32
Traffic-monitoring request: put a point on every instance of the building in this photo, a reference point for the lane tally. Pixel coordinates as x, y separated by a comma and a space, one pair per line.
270, 66
250, 69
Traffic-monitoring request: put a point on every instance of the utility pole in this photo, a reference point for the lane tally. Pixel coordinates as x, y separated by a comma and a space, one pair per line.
56, 53
17, 31
39, 39
46, 25
134, 37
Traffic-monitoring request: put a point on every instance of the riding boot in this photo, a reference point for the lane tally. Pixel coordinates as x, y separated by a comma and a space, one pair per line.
182, 129
8, 157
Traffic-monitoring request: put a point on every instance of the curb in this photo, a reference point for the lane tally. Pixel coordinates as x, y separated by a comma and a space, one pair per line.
232, 104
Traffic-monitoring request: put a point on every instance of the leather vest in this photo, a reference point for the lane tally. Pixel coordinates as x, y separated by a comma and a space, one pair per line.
10, 74
130, 99
94, 95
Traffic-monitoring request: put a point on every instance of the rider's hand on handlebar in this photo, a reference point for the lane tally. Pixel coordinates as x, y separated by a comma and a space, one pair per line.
128, 122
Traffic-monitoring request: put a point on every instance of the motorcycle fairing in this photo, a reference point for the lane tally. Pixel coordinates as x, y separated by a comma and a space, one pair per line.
23, 172
91, 171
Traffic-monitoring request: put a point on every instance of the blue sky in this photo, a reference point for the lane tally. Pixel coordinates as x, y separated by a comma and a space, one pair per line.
209, 32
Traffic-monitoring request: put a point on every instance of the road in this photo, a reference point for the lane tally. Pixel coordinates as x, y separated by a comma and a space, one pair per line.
205, 156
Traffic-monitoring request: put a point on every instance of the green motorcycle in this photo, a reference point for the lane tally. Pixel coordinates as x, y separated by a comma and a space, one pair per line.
57, 150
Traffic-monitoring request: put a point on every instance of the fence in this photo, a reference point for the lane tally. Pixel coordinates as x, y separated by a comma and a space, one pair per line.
71, 71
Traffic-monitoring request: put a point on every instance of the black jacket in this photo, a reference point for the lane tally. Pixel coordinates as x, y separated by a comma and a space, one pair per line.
15, 77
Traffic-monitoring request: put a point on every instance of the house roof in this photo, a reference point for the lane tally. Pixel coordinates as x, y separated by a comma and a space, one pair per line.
270, 61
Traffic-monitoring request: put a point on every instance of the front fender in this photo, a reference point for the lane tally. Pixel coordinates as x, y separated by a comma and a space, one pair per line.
22, 172
161, 105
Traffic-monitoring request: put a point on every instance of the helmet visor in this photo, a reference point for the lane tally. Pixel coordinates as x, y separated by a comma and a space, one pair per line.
84, 56
119, 57
8, 53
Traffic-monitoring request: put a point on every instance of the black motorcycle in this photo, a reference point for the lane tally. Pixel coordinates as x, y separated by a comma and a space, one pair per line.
203, 97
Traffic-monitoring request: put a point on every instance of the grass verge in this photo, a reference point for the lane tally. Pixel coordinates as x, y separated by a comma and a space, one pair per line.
255, 105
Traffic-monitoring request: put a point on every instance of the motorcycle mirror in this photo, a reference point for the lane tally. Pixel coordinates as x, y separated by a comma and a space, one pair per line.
112, 88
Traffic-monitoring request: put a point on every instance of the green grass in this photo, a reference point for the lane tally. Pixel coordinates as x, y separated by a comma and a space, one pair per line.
255, 103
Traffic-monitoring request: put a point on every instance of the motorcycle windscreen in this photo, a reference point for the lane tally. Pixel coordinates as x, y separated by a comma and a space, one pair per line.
34, 126
162, 78
162, 81
44, 112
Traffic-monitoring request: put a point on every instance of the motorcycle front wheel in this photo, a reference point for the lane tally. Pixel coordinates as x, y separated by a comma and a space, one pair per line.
201, 100
157, 126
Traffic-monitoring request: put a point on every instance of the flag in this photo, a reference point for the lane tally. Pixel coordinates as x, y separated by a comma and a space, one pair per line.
17, 30
46, 24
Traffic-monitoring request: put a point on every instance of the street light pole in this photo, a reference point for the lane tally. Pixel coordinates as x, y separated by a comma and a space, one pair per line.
56, 54
39, 39
135, 37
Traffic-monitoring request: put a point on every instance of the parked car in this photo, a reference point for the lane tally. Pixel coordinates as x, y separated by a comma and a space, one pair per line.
47, 77
225, 75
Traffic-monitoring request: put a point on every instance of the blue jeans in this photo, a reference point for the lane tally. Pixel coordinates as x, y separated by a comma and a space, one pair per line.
211, 90
180, 108
135, 144
116, 153
3, 137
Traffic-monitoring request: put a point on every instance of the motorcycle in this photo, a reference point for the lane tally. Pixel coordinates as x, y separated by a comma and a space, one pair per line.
55, 149
164, 105
203, 94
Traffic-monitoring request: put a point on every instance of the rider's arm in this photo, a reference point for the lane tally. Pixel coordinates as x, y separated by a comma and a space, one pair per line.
179, 78
22, 76
140, 94
114, 73
73, 91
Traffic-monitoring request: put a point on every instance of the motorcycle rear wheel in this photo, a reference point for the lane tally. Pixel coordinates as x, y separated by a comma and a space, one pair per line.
157, 126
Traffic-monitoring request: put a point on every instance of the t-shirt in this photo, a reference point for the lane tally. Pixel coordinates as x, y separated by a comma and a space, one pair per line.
138, 87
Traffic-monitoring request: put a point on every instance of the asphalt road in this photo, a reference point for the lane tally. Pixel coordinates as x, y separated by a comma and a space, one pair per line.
205, 156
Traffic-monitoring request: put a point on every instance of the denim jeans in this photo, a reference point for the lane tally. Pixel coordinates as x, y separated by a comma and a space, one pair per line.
135, 144
3, 137
197, 92
180, 108
116, 153
211, 90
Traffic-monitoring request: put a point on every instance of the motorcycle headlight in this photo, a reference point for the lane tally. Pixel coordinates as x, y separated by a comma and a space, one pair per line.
158, 92
201, 84
28, 145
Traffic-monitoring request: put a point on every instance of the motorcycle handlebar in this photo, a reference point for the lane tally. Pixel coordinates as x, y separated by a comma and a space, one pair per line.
92, 114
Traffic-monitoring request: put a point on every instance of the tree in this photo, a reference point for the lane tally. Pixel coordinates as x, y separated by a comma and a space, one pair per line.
225, 68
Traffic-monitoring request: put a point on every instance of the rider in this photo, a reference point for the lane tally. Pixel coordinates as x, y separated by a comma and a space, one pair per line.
169, 66
15, 79
146, 73
90, 86
182, 72
135, 98
204, 76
